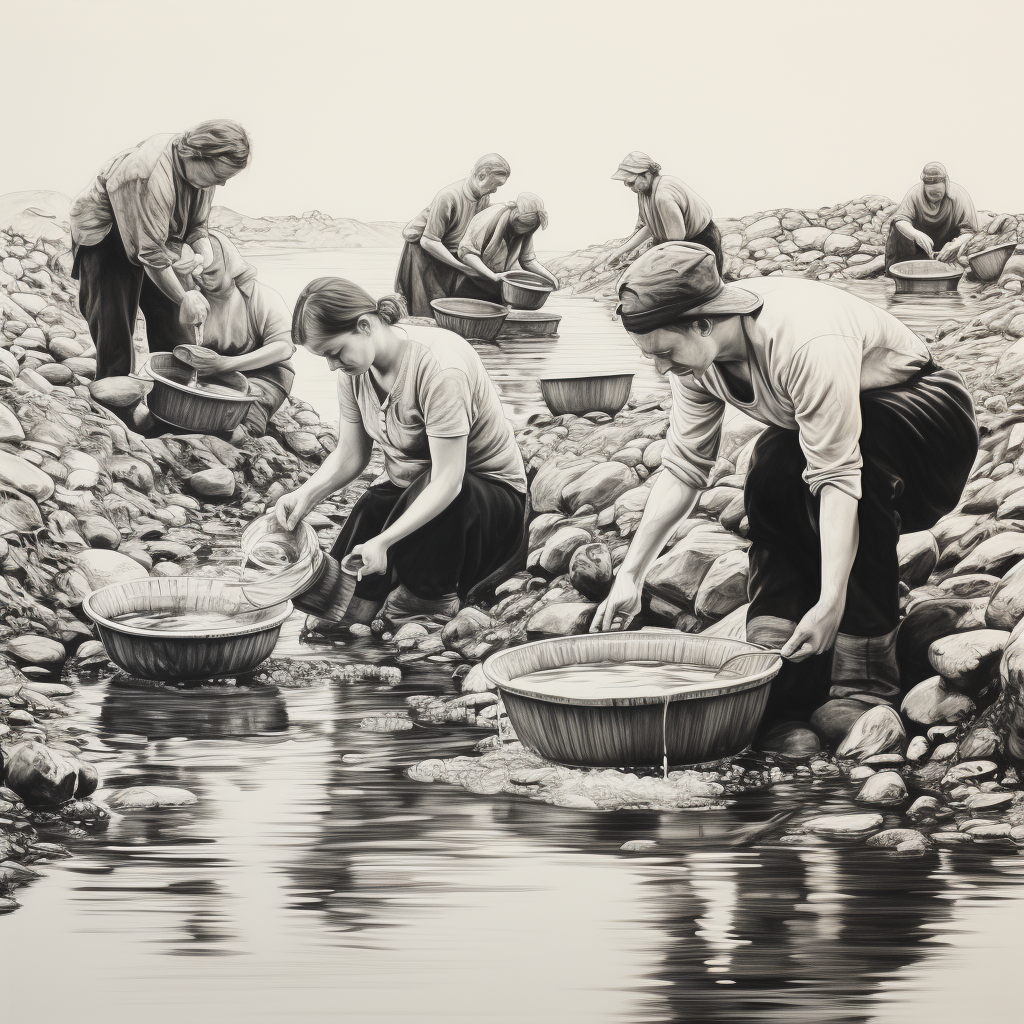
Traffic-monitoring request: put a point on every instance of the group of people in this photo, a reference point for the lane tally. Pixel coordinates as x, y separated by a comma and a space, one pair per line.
865, 435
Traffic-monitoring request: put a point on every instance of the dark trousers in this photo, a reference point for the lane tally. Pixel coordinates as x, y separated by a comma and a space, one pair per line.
421, 278
111, 291
711, 238
480, 534
918, 441
275, 385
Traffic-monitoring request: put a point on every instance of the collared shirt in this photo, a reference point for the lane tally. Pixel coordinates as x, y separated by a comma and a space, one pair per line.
672, 210
446, 218
813, 349
144, 191
955, 210
490, 236
442, 390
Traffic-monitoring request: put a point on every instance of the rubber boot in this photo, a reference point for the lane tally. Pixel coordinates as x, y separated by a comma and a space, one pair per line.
864, 675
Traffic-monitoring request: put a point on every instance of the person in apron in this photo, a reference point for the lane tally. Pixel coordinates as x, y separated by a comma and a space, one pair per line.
865, 437
127, 231
669, 210
498, 240
250, 326
429, 267
448, 515
934, 221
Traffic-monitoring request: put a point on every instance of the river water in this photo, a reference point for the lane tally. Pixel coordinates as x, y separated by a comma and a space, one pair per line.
313, 880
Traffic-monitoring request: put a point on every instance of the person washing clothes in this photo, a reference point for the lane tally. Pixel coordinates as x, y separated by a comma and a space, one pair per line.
865, 437
669, 211
449, 513
249, 326
935, 220
429, 267
127, 232
498, 240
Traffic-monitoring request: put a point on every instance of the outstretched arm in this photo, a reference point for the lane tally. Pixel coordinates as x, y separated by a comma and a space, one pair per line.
840, 536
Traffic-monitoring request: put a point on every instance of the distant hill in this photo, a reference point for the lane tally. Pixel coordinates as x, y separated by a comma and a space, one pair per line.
42, 214
313, 230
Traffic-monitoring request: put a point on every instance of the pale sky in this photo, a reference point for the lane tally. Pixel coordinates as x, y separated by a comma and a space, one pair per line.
366, 110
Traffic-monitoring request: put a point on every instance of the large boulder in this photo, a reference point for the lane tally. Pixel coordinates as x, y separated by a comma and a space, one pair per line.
37, 650
677, 575
629, 507
767, 226
563, 619
810, 238
927, 622
551, 479
724, 587
102, 567
837, 244
559, 548
590, 570
21, 475
878, 731
883, 789
918, 555
41, 776
599, 486
934, 702
968, 660
1006, 606
215, 484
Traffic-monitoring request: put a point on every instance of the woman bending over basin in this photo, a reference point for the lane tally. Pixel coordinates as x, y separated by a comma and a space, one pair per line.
449, 511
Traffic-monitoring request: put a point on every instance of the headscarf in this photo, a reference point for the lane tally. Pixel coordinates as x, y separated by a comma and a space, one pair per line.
527, 203
227, 326
932, 174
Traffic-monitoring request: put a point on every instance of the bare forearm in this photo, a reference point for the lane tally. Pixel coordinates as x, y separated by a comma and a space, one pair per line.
338, 470
536, 267
478, 266
268, 355
167, 281
637, 238
440, 252
670, 502
431, 502
840, 537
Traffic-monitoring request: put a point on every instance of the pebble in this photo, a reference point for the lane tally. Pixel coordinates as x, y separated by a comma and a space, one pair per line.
923, 807
884, 789
845, 825
893, 837
142, 798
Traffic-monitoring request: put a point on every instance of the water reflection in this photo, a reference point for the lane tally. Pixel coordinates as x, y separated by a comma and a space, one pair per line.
160, 713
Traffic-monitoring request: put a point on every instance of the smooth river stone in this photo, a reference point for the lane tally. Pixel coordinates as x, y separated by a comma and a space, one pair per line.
893, 837
144, 798
970, 771
840, 826
884, 789
989, 801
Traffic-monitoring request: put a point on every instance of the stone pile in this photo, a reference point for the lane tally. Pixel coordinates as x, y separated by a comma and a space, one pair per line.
844, 241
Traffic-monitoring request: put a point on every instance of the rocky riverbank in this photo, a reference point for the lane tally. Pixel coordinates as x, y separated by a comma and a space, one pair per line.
85, 499
843, 241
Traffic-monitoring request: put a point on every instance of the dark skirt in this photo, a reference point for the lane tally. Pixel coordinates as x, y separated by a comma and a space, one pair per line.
711, 238
421, 278
474, 543
111, 291
918, 441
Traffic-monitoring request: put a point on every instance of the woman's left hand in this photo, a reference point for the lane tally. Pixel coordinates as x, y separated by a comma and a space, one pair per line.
374, 554
815, 633
216, 363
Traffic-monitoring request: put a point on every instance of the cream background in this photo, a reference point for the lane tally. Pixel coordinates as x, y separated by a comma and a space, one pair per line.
366, 109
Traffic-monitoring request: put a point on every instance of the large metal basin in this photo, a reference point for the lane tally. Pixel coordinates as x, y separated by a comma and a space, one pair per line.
988, 264
925, 277
700, 724
173, 401
586, 392
474, 319
176, 654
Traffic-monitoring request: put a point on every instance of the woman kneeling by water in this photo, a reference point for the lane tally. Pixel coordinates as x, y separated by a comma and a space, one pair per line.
865, 438
250, 327
449, 512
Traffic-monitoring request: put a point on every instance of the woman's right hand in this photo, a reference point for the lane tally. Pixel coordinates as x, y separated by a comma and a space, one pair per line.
620, 607
925, 243
194, 309
292, 508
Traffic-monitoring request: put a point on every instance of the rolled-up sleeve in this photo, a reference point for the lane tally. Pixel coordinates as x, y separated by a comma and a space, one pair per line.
907, 210
143, 211
694, 432
823, 383
447, 403
439, 216
270, 315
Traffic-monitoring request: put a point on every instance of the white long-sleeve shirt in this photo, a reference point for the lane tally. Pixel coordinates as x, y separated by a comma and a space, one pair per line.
813, 349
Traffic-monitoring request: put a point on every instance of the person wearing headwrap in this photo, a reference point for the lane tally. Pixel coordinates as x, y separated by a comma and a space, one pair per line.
250, 326
865, 438
934, 221
670, 211
499, 240
429, 267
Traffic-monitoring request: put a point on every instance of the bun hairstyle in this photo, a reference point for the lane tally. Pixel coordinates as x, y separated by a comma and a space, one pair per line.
330, 306
212, 140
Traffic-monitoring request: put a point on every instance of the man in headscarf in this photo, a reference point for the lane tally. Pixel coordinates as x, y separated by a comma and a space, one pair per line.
936, 215
249, 326
498, 240
429, 267
670, 211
